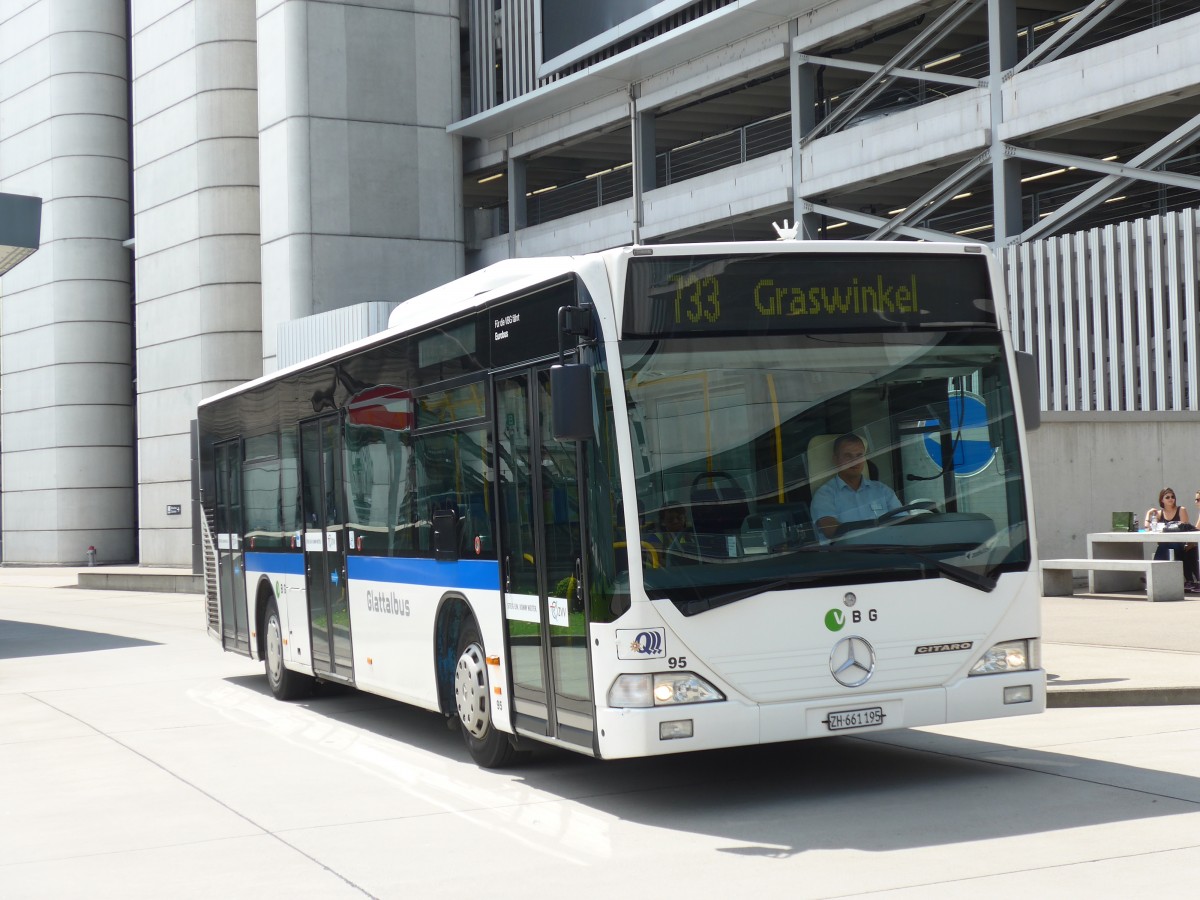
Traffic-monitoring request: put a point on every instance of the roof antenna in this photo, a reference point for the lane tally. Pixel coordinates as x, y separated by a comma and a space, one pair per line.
786, 232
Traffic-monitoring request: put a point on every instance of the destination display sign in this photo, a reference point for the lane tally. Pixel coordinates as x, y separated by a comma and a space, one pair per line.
802, 293
527, 327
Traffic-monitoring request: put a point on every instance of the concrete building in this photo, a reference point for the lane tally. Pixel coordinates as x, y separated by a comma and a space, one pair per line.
284, 158
299, 166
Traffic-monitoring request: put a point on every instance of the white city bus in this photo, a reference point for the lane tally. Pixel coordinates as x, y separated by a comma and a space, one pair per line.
570, 500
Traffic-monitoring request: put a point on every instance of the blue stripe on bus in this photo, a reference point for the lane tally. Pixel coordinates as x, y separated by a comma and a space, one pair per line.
275, 563
465, 573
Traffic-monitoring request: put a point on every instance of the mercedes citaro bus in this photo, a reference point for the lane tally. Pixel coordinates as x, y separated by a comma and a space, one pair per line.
588, 501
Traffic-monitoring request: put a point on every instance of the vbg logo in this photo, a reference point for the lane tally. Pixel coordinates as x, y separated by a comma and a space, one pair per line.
835, 619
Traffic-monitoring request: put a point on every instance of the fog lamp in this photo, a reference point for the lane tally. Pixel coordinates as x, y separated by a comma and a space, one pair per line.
1018, 693
679, 728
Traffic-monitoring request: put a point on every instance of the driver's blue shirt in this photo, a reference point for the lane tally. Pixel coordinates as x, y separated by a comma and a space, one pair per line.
837, 499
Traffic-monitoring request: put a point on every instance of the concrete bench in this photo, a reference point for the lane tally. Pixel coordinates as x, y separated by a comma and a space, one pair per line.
1164, 577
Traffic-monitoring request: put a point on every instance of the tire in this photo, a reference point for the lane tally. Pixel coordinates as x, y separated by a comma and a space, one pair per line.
285, 684
491, 749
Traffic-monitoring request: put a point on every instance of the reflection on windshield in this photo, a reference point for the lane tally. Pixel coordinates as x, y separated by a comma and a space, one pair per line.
737, 453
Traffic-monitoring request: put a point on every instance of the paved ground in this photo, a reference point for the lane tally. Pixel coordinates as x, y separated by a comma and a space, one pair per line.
1121, 651
136, 760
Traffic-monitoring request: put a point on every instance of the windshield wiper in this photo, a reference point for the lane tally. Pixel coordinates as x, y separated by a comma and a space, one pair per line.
706, 602
753, 589
984, 581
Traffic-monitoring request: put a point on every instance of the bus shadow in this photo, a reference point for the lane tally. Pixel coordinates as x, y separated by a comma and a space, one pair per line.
19, 640
902, 790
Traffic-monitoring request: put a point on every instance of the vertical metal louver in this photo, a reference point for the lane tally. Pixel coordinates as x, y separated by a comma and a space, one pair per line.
1112, 314
212, 584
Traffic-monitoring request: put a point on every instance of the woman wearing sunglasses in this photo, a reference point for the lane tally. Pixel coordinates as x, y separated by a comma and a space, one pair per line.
1167, 512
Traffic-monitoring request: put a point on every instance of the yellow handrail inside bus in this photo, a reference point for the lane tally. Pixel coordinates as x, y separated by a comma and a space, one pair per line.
778, 436
646, 548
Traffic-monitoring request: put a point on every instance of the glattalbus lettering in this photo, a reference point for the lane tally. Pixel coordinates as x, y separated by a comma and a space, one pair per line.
388, 603
853, 299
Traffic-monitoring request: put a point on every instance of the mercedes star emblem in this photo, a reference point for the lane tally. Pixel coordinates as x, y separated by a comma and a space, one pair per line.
852, 661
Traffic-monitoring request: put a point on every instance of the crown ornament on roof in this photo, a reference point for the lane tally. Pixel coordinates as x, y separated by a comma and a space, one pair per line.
785, 231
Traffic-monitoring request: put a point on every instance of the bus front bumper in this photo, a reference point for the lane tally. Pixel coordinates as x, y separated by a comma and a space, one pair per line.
624, 733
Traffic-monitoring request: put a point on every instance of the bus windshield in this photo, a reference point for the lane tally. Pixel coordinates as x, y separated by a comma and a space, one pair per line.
778, 461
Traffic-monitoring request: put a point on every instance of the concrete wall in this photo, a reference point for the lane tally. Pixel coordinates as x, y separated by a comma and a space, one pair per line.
361, 185
66, 415
1086, 466
196, 206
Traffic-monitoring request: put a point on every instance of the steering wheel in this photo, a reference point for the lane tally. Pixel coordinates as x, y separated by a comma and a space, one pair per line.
918, 507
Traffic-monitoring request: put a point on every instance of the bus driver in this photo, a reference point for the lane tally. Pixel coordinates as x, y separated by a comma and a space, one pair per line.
850, 496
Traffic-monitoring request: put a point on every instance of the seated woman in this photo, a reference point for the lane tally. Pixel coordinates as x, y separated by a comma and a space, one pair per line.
1168, 511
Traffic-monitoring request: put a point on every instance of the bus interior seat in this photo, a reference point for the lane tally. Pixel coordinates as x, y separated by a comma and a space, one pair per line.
819, 461
718, 507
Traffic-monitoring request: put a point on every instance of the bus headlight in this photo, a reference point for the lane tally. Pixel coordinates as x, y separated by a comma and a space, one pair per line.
1009, 656
661, 689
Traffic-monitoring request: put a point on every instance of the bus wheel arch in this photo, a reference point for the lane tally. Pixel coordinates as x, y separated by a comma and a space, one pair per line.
284, 683
463, 688
453, 611
263, 596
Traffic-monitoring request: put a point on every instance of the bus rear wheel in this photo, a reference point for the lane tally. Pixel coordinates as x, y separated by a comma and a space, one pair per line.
285, 684
490, 748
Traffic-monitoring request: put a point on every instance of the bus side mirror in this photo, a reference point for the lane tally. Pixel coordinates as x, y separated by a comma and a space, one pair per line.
445, 535
571, 402
1031, 394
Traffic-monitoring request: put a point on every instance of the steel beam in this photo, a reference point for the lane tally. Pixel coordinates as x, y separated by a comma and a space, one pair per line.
871, 68
875, 84
1087, 19
1154, 155
870, 221
1132, 173
936, 197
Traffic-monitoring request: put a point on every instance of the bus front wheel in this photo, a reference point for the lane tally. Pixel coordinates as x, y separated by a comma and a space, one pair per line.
285, 684
490, 748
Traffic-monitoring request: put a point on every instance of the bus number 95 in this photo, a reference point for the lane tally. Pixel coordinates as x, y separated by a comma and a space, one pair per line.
677, 662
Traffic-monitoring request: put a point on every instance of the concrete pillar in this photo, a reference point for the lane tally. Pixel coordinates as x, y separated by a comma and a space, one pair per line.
641, 130
804, 118
196, 225
518, 209
645, 150
66, 393
361, 185
1006, 173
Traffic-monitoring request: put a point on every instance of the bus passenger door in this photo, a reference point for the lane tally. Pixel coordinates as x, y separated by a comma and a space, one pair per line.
542, 564
323, 506
231, 570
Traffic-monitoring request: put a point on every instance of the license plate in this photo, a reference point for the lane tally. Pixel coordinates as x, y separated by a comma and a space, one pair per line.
855, 718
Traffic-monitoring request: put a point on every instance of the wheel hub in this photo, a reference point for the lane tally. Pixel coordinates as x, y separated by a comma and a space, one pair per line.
274, 649
470, 691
